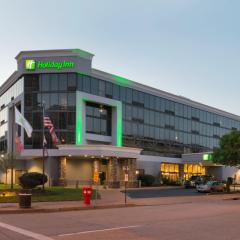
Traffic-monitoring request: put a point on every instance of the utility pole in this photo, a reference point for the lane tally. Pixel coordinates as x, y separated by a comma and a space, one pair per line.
43, 147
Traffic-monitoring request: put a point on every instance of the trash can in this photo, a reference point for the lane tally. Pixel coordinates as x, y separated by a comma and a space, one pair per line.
25, 200
87, 193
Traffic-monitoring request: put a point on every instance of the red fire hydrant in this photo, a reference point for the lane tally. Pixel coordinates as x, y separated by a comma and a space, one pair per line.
87, 193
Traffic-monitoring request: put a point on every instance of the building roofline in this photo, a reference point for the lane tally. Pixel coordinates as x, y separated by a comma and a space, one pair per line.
113, 78
55, 52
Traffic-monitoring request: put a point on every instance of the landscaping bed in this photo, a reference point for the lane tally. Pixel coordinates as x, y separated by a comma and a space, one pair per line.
52, 194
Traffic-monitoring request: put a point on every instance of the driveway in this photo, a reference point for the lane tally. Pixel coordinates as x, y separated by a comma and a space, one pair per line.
162, 192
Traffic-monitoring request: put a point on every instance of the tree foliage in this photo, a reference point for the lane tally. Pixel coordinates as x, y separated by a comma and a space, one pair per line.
228, 152
32, 179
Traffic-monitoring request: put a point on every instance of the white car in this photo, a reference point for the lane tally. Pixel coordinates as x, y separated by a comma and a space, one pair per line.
211, 186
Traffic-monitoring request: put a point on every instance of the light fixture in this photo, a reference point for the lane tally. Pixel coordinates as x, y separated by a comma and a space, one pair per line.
101, 108
2, 155
85, 155
69, 155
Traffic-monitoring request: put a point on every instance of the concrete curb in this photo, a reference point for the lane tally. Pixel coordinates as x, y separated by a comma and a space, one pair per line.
62, 209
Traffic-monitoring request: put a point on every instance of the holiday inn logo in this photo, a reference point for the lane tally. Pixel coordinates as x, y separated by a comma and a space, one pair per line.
32, 65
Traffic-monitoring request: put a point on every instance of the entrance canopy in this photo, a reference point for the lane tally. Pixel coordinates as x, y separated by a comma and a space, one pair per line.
86, 150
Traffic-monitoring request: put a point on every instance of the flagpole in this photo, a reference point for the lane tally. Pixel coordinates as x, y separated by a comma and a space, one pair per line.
43, 152
13, 119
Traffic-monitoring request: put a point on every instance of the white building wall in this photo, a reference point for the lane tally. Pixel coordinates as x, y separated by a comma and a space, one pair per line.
151, 164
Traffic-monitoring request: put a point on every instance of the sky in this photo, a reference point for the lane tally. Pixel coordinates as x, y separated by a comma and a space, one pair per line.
186, 47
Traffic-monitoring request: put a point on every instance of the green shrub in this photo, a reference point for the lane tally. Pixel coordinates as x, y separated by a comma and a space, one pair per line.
146, 180
32, 180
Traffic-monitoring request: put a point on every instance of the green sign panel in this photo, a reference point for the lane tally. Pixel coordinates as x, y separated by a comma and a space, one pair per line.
32, 65
207, 157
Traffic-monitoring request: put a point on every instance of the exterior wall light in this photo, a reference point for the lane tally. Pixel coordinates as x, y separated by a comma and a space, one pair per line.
101, 109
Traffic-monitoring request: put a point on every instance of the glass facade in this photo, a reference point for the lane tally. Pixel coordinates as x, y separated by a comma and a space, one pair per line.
158, 125
169, 172
98, 119
13, 92
58, 91
193, 170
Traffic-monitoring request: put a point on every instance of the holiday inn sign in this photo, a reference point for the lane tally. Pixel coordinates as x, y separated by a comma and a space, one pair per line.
32, 65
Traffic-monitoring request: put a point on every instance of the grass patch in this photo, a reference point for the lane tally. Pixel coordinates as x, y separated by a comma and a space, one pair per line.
8, 187
52, 194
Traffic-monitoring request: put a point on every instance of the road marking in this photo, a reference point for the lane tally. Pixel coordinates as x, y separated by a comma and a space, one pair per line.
98, 230
25, 232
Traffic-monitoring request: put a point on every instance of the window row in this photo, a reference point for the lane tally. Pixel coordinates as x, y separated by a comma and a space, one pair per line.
143, 131
71, 82
65, 137
60, 120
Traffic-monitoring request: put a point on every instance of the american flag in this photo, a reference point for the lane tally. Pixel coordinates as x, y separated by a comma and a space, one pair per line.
48, 124
19, 145
45, 146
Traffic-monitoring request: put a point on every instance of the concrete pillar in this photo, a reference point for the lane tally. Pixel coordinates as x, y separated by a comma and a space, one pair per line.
51, 164
181, 172
96, 166
113, 170
132, 177
62, 171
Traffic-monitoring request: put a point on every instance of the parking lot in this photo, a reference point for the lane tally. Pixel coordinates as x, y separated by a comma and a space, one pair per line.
162, 192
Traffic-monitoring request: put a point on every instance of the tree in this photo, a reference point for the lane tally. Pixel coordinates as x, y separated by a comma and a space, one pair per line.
228, 152
7, 161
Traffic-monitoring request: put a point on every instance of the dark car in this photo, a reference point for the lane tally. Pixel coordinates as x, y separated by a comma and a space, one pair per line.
193, 181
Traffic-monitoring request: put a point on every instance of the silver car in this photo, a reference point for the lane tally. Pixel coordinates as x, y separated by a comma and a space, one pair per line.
211, 186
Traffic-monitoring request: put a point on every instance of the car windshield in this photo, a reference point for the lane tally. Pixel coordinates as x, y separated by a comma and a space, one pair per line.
193, 178
210, 183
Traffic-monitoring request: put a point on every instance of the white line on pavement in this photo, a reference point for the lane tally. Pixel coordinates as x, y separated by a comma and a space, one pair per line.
99, 230
24, 232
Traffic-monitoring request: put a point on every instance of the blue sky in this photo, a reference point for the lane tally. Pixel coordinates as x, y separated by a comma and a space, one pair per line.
187, 47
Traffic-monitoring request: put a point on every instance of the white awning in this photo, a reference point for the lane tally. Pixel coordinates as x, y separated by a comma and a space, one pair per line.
83, 150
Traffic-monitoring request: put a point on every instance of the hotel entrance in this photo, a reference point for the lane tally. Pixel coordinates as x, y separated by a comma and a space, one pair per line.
106, 161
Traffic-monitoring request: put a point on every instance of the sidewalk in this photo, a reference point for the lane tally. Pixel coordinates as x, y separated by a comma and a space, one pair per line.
113, 198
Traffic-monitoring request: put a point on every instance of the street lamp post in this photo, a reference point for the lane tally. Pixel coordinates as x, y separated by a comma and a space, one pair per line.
125, 169
43, 147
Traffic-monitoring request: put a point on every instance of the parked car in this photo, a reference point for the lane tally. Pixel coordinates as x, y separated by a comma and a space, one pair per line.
193, 181
211, 186
197, 180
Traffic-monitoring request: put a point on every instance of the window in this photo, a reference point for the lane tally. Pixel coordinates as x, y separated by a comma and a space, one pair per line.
54, 101
54, 82
99, 119
72, 81
45, 80
86, 84
94, 86
63, 82
109, 90
63, 100
62, 120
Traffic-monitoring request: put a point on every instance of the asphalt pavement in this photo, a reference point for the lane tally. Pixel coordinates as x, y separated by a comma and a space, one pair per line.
211, 220
158, 192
